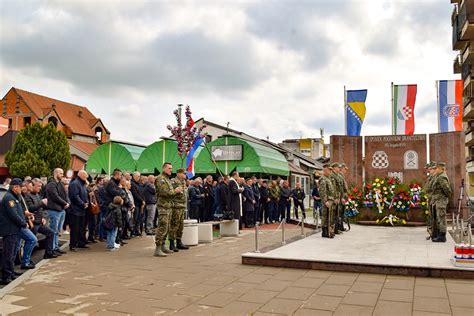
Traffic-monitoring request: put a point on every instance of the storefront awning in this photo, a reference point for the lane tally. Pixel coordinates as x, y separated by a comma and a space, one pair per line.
152, 158
113, 155
256, 158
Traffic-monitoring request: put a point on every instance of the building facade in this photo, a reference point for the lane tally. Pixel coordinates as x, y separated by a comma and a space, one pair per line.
462, 21
311, 147
83, 130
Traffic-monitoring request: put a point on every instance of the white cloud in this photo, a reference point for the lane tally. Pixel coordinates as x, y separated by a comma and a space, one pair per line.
273, 69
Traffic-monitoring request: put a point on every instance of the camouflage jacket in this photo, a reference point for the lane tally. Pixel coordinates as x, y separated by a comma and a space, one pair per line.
345, 188
179, 200
274, 193
326, 189
440, 188
164, 192
337, 185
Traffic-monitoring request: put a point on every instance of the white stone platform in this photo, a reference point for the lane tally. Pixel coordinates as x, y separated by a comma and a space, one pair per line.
391, 250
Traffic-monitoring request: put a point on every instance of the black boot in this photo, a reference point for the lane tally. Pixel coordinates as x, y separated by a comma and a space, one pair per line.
440, 238
180, 245
325, 233
172, 246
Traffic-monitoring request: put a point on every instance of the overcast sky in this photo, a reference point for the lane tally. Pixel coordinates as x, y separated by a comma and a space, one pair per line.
270, 68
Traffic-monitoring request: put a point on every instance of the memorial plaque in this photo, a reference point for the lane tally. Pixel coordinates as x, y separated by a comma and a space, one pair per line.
348, 149
403, 156
449, 148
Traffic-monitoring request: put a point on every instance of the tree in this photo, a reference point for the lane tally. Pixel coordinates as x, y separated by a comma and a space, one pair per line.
37, 151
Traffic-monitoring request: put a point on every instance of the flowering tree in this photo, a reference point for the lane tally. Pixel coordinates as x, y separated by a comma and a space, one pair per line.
186, 135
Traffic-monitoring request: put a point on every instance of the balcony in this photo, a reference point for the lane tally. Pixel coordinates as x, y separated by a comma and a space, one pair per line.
468, 92
468, 111
469, 139
458, 44
465, 21
457, 65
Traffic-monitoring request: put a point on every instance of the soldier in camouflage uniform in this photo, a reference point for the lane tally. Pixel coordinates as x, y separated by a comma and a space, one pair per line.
177, 212
345, 193
166, 194
338, 184
430, 168
327, 193
441, 192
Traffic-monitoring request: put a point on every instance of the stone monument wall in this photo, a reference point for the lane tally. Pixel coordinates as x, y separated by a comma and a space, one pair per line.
348, 149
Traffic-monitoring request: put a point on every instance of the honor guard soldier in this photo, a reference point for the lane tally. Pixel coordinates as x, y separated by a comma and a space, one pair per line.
327, 193
177, 212
165, 193
345, 192
338, 184
12, 220
430, 169
441, 192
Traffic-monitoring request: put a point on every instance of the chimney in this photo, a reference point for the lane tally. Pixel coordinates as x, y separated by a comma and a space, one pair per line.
80, 113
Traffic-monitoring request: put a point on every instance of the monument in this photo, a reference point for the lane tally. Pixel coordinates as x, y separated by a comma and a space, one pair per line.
348, 149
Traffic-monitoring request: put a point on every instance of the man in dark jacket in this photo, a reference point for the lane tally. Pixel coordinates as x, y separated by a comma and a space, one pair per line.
249, 204
264, 200
208, 198
57, 204
196, 199
285, 202
298, 199
12, 220
102, 200
256, 193
149, 191
223, 193
79, 198
139, 199
35, 205
235, 198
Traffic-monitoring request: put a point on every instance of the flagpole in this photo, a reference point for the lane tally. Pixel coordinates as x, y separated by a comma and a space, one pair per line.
437, 105
393, 110
345, 111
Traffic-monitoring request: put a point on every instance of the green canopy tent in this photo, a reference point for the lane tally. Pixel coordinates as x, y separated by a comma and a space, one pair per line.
114, 155
256, 158
152, 158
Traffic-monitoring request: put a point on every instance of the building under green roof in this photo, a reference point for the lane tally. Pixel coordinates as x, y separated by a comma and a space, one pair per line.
256, 158
109, 156
152, 158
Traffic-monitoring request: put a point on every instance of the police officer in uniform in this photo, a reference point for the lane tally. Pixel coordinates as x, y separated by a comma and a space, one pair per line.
441, 192
337, 184
12, 220
430, 168
327, 193
165, 193
177, 212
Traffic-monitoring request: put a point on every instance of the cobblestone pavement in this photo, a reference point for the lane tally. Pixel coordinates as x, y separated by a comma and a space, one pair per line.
210, 280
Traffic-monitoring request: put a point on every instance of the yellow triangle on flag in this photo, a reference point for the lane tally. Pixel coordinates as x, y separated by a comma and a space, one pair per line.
359, 109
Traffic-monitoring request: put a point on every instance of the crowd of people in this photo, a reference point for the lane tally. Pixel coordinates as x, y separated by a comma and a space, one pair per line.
113, 210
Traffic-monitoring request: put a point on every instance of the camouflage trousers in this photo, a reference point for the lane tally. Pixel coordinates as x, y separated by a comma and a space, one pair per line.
439, 223
327, 218
163, 226
337, 213
176, 223
429, 220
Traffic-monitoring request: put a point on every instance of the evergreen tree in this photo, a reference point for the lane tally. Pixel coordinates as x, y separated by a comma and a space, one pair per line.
37, 151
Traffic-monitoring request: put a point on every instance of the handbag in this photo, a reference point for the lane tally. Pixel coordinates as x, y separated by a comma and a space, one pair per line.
94, 207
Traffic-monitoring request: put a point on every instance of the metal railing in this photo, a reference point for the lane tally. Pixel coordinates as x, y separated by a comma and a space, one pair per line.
282, 228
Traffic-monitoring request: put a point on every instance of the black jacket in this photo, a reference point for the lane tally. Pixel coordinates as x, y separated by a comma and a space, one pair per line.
137, 192
223, 192
112, 190
35, 205
12, 216
56, 195
116, 209
234, 198
249, 198
264, 194
78, 196
256, 192
150, 194
195, 196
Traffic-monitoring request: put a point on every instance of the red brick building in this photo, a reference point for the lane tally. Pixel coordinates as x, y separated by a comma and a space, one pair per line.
83, 130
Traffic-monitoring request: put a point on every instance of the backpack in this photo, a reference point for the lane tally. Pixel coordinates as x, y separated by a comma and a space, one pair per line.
109, 222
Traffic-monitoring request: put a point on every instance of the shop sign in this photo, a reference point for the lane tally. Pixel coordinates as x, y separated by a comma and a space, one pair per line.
227, 152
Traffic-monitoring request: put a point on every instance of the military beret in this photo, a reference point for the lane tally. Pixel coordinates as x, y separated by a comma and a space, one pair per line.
335, 165
16, 181
441, 164
180, 170
327, 165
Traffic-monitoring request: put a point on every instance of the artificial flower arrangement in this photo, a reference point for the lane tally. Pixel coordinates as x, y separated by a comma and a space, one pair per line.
353, 203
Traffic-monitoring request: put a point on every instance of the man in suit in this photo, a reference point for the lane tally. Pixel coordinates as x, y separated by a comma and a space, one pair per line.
249, 203
77, 212
235, 197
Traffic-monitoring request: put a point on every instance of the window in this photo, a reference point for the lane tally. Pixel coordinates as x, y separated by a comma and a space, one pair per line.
10, 123
98, 133
26, 120
208, 139
53, 120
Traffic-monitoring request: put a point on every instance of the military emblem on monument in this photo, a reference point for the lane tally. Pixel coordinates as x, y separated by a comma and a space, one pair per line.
380, 160
410, 160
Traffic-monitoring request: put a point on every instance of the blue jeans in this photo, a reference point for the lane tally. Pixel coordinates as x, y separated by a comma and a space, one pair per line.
111, 235
30, 243
56, 221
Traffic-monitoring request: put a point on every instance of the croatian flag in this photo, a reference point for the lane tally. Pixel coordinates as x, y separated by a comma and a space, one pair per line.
403, 109
355, 111
190, 157
450, 105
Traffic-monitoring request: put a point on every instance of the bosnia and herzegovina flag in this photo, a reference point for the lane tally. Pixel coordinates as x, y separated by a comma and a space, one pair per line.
403, 109
450, 105
355, 111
